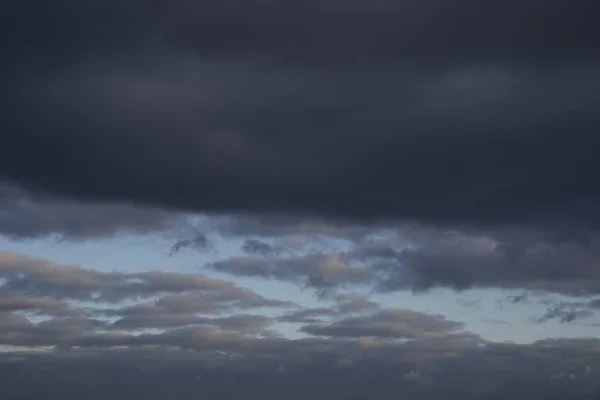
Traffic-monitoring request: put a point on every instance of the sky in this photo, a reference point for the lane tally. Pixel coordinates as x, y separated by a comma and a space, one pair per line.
324, 199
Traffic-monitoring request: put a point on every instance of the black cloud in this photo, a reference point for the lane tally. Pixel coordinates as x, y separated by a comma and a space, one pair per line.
23, 216
477, 112
446, 30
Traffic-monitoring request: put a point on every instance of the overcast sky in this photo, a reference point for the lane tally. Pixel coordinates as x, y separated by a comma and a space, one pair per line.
324, 199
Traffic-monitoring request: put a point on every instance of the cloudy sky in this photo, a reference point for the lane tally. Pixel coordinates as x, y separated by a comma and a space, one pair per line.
300, 199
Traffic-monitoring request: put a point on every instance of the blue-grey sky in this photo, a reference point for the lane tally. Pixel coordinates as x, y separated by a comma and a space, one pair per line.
489, 313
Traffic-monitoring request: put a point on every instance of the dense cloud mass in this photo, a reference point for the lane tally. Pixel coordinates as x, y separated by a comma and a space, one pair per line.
443, 111
348, 150
23, 216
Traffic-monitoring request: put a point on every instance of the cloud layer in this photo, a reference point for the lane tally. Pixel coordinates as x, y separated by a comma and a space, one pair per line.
471, 113
354, 148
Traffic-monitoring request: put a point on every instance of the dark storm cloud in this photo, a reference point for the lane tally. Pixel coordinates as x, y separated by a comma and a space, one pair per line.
445, 119
23, 216
46, 35
416, 257
357, 30
535, 134
305, 31
464, 259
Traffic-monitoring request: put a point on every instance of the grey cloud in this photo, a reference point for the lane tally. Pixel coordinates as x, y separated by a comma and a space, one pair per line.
462, 259
278, 226
564, 314
567, 311
40, 277
354, 303
309, 315
321, 271
243, 323
522, 298
344, 305
176, 310
135, 322
419, 257
240, 298
18, 330
198, 243
20, 303
193, 239
37, 287
392, 323
254, 246
43, 306
24, 276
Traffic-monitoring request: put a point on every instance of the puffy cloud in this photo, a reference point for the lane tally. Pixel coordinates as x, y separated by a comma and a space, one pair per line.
243, 323
40, 288
322, 271
17, 330
391, 323
344, 304
193, 331
31, 276
349, 303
